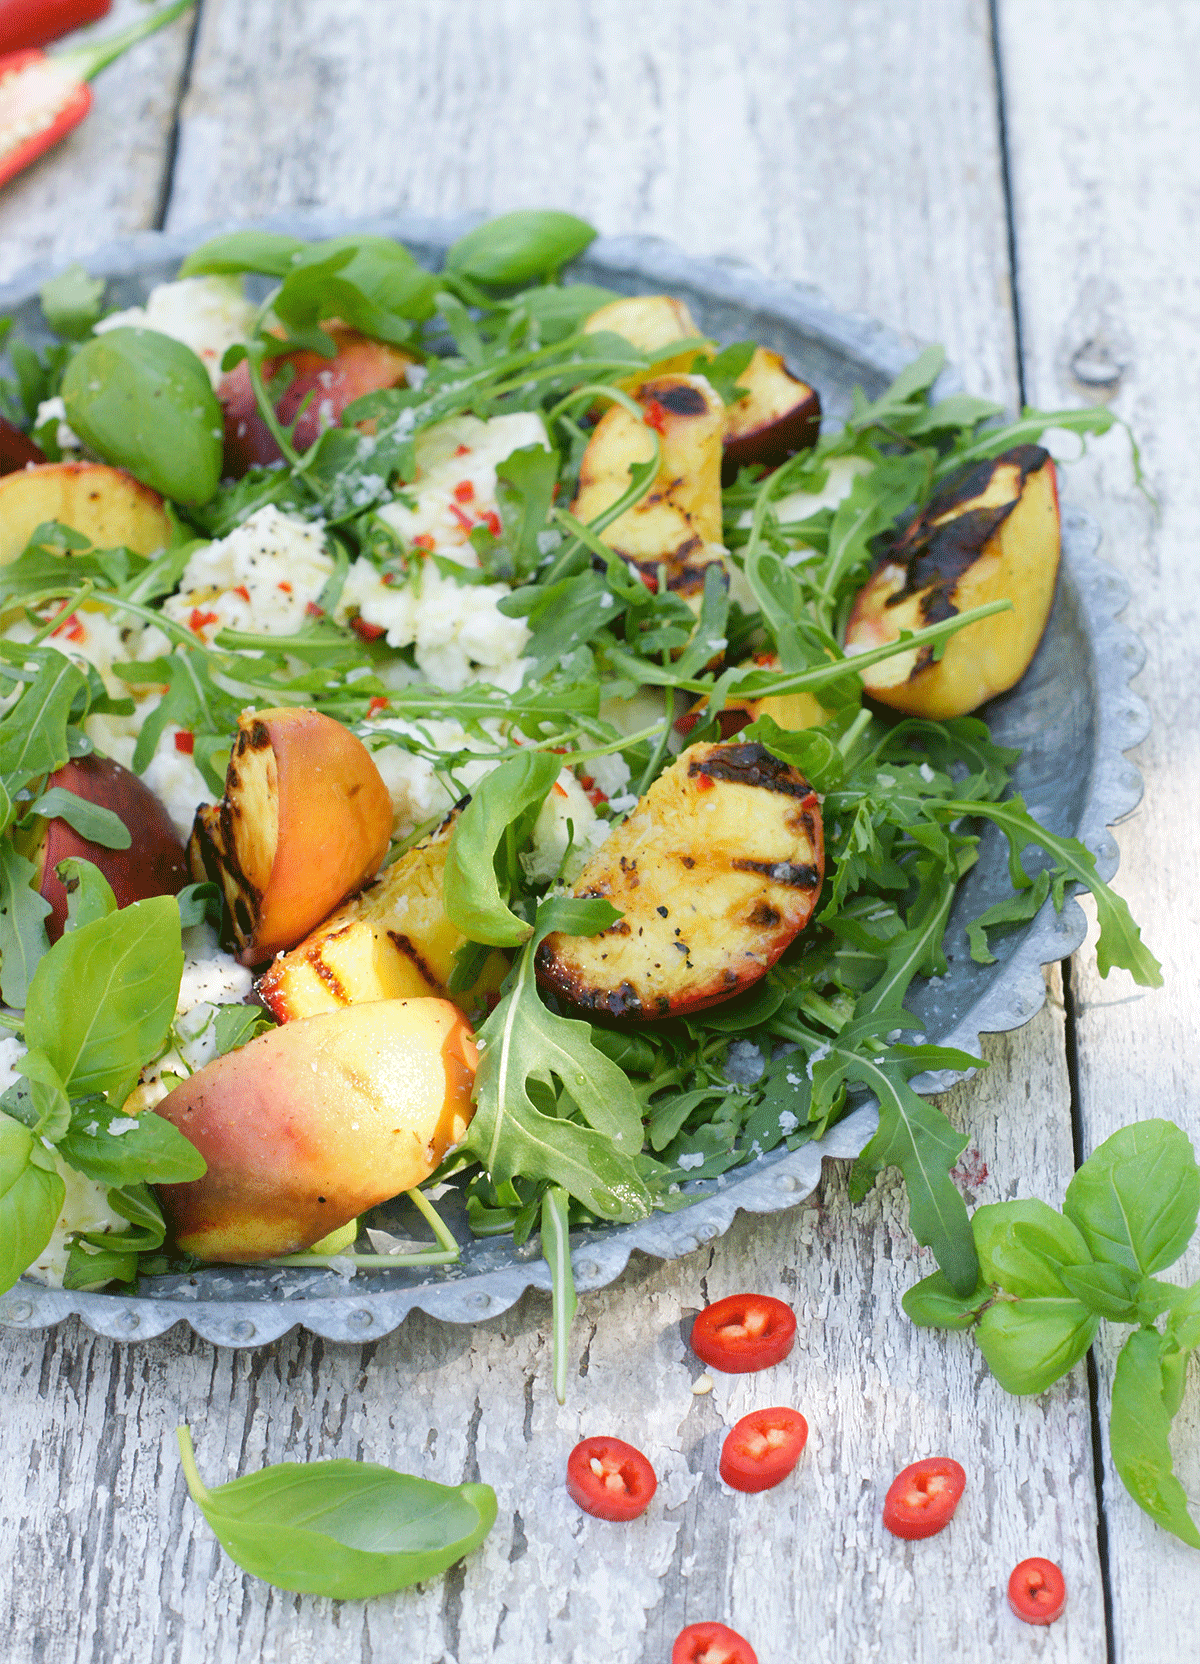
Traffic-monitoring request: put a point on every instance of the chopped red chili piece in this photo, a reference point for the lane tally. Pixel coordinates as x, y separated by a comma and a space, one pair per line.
42, 98
463, 450
379, 703
240, 589
185, 742
464, 520
367, 632
1037, 1591
198, 619
923, 1496
424, 541
464, 492
285, 587
25, 23
704, 783
587, 781
492, 521
743, 1332
655, 416
313, 610
559, 789
610, 1479
763, 1448
71, 628
712, 1644
596, 797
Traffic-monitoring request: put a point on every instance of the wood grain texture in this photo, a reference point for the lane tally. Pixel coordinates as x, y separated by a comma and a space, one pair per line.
1105, 130
782, 133
107, 177
804, 1571
855, 147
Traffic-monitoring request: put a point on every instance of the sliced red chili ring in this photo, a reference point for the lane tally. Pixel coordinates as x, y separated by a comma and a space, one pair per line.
923, 1496
744, 1332
610, 1479
763, 1448
712, 1644
1037, 1591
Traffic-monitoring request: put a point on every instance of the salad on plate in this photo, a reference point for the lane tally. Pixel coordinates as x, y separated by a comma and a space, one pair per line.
470, 729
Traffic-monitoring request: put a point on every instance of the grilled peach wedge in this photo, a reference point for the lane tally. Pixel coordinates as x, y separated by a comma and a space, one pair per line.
360, 366
716, 871
104, 504
992, 534
391, 941
153, 865
779, 415
789, 710
305, 820
677, 525
309, 1125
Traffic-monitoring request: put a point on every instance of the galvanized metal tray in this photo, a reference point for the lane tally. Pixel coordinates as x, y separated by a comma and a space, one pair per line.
1072, 716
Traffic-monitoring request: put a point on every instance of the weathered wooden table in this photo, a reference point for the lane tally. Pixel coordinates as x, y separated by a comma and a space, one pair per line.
1022, 182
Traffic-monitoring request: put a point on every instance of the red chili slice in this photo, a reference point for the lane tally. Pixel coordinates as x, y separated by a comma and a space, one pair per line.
711, 1644
922, 1498
368, 632
610, 1479
744, 1332
763, 1448
1037, 1591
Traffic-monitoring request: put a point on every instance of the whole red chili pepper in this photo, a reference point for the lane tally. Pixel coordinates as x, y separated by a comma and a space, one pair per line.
43, 97
25, 23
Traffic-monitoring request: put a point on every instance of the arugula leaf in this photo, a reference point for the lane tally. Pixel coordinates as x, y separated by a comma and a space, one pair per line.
1139, 1427
31, 1198
192, 701
33, 735
526, 483
524, 1043
1004, 915
1136, 1198
917, 1138
23, 938
101, 1001
723, 369
348, 1530
471, 889
89, 894
1120, 940
91, 820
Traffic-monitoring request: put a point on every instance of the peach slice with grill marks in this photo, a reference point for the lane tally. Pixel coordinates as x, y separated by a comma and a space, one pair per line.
305, 820
991, 534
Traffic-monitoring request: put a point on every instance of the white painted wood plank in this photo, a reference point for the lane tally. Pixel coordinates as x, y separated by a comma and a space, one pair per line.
1105, 132
854, 147
107, 177
781, 132
804, 1571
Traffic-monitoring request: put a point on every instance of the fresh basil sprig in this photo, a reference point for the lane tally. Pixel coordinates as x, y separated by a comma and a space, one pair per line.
348, 1530
1048, 1279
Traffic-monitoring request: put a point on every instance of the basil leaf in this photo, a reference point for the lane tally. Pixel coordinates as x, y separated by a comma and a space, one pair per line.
1136, 1198
522, 1043
559, 309
1022, 1246
143, 1149
22, 934
235, 1026
198, 902
89, 894
31, 1199
1108, 1290
1029, 1344
268, 252
144, 401
344, 1529
520, 247
1139, 1429
91, 820
934, 1303
72, 302
471, 889
101, 1001
102, 1256
51, 1107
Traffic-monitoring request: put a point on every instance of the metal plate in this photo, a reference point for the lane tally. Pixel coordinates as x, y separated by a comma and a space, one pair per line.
1072, 715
